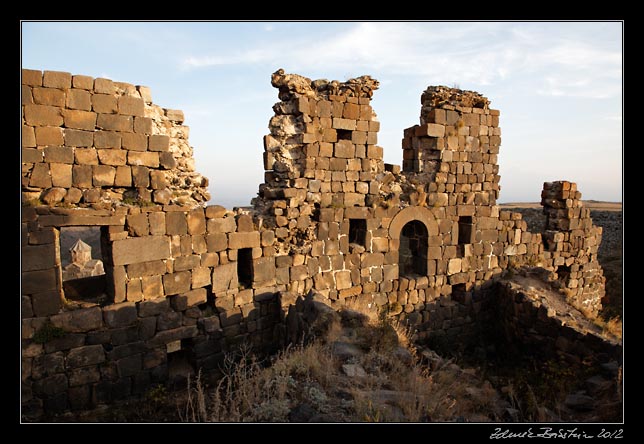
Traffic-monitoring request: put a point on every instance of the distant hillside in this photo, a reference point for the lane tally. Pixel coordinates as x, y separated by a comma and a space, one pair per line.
592, 204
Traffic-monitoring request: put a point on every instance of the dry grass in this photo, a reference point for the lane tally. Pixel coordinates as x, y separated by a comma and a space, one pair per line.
248, 392
611, 328
397, 385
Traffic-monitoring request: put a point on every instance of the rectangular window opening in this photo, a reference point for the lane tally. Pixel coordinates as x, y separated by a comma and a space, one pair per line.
245, 267
465, 230
563, 273
358, 232
465, 233
84, 269
344, 134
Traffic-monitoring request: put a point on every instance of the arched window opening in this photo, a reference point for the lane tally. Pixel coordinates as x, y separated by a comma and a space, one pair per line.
413, 250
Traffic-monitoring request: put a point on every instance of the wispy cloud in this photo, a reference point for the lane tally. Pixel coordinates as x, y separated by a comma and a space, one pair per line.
572, 63
246, 57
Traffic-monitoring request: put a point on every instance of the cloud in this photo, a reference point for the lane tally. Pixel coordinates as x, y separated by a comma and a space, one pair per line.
554, 60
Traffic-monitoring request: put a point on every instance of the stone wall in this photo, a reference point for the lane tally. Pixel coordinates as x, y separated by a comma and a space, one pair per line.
535, 322
331, 216
91, 142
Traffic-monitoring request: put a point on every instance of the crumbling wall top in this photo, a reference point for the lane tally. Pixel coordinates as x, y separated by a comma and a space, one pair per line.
438, 96
362, 86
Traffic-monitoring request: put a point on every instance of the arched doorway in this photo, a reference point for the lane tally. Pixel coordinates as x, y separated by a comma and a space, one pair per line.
416, 240
412, 259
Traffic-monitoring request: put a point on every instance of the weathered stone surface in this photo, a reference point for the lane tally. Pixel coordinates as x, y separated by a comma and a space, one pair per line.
146, 158
45, 303
79, 99
159, 143
243, 240
104, 103
130, 365
40, 176
154, 307
175, 283
131, 106
151, 268
343, 280
104, 86
224, 277
78, 138
112, 157
221, 225
85, 356
79, 321
167, 161
84, 375
51, 385
183, 263
201, 277
120, 315
83, 82
107, 139
103, 175
48, 96
191, 298
152, 287
59, 154
43, 115
196, 222
176, 223
49, 135
77, 119
38, 257
263, 271
57, 79
163, 337
28, 137
215, 211
141, 176
217, 241
38, 281
114, 122
31, 77
141, 249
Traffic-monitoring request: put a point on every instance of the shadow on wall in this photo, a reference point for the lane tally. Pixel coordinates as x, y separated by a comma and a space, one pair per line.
91, 356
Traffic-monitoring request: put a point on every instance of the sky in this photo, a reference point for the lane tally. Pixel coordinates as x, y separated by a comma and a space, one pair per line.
558, 85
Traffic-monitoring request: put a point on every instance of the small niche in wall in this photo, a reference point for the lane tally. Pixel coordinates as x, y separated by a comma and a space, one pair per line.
344, 134
245, 267
465, 230
465, 233
180, 366
563, 273
358, 232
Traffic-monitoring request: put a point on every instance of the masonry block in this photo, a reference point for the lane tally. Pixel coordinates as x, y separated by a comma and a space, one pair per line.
176, 283
140, 249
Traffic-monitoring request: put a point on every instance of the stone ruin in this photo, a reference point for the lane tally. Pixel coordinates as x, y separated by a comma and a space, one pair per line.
193, 281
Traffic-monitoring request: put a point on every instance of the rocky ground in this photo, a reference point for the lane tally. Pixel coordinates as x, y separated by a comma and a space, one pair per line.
367, 370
